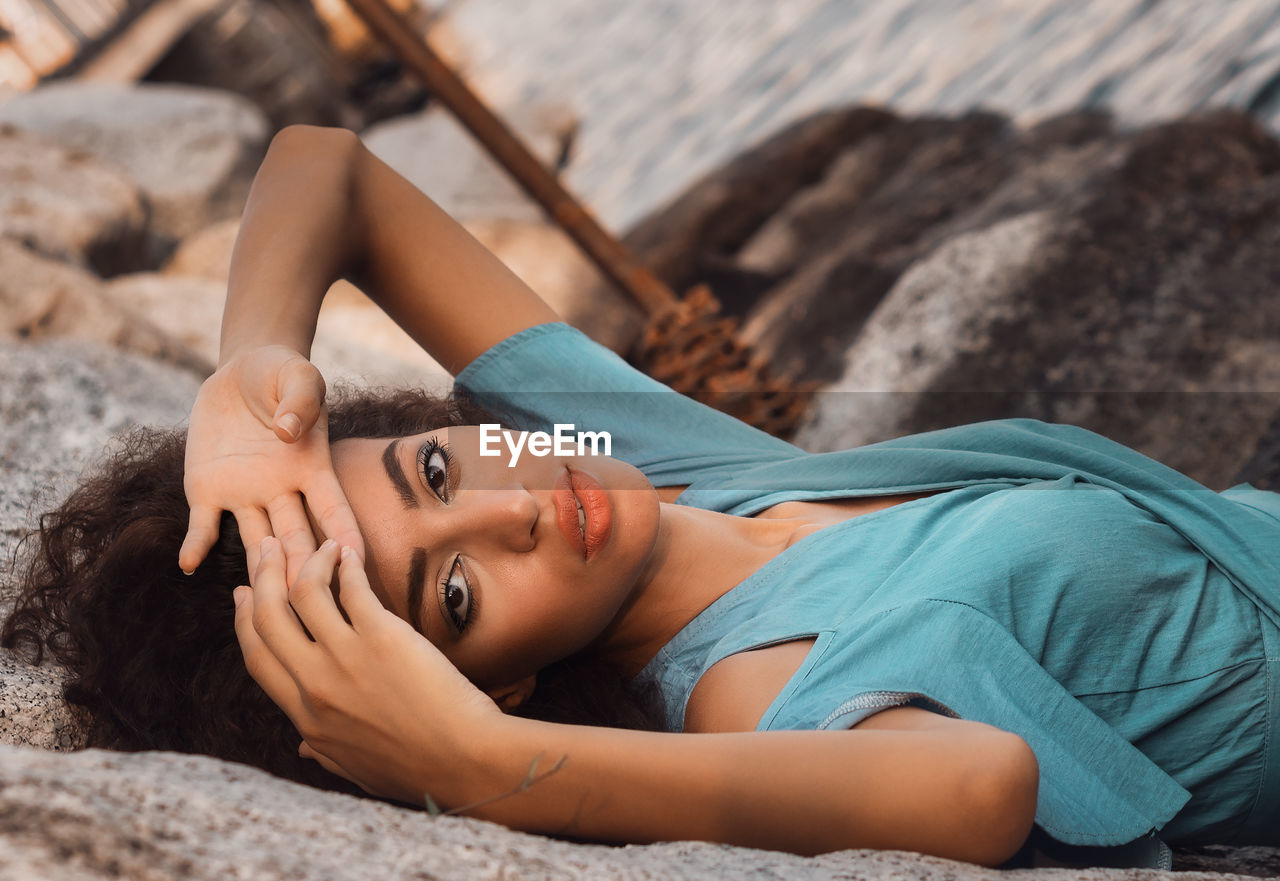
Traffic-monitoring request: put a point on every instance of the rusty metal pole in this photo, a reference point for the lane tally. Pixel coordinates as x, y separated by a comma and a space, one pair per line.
686, 343
610, 255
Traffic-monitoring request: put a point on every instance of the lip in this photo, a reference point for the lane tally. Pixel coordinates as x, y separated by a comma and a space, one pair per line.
574, 487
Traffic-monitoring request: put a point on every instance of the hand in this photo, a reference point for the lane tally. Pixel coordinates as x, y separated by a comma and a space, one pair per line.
375, 701
258, 442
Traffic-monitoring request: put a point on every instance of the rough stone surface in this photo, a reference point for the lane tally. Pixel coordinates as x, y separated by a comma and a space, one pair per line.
207, 253
61, 401
96, 814
68, 205
44, 298
192, 151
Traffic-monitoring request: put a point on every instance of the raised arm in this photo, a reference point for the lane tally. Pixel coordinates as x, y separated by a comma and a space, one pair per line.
381, 706
322, 207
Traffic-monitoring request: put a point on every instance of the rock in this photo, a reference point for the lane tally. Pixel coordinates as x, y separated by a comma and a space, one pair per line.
33, 712
61, 402
207, 253
438, 156
698, 235
42, 298
1140, 306
186, 310
939, 271
547, 260
68, 205
192, 151
159, 815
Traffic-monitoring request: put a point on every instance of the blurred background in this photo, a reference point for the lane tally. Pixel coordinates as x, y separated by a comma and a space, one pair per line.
934, 212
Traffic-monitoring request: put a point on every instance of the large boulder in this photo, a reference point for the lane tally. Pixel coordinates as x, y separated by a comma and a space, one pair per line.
61, 402
69, 205
41, 298
206, 253
1140, 305
937, 271
192, 151
159, 815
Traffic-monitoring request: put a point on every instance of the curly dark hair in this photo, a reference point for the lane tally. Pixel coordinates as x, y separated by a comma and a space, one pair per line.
151, 657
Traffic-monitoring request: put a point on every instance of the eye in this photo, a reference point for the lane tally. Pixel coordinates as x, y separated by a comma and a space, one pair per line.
433, 467
456, 598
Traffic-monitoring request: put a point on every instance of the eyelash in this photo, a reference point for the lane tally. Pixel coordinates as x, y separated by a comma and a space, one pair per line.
425, 452
473, 600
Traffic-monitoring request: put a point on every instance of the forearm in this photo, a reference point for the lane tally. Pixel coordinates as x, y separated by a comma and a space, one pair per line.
296, 238
323, 207
970, 796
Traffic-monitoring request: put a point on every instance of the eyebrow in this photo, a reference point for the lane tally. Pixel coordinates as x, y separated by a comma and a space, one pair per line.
395, 471
418, 562
417, 583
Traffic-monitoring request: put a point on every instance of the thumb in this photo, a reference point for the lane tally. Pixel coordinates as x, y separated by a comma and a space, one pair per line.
300, 388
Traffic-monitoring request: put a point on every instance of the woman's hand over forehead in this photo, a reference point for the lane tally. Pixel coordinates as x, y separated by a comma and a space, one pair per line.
375, 701
258, 443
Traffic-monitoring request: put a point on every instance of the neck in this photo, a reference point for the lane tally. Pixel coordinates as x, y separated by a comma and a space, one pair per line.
698, 557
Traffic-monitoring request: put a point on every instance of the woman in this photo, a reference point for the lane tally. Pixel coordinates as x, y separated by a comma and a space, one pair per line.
929, 644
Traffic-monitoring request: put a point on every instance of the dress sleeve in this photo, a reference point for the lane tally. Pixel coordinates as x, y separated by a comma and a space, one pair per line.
1096, 788
554, 374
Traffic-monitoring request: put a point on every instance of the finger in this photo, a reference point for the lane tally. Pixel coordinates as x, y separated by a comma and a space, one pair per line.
330, 765
289, 523
300, 388
333, 512
263, 666
202, 534
357, 597
273, 616
312, 598
254, 527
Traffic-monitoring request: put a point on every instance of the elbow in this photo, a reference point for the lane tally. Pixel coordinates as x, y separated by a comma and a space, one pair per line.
1003, 800
317, 139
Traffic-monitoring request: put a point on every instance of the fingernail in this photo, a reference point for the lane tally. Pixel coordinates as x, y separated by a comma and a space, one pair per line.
347, 551
188, 572
290, 423
328, 544
237, 596
268, 545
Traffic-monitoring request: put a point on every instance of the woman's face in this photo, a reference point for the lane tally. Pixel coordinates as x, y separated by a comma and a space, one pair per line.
486, 558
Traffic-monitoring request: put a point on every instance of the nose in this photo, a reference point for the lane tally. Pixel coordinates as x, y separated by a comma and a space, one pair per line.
504, 516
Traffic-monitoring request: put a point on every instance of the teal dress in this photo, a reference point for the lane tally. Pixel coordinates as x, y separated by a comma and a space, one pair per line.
1120, 617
